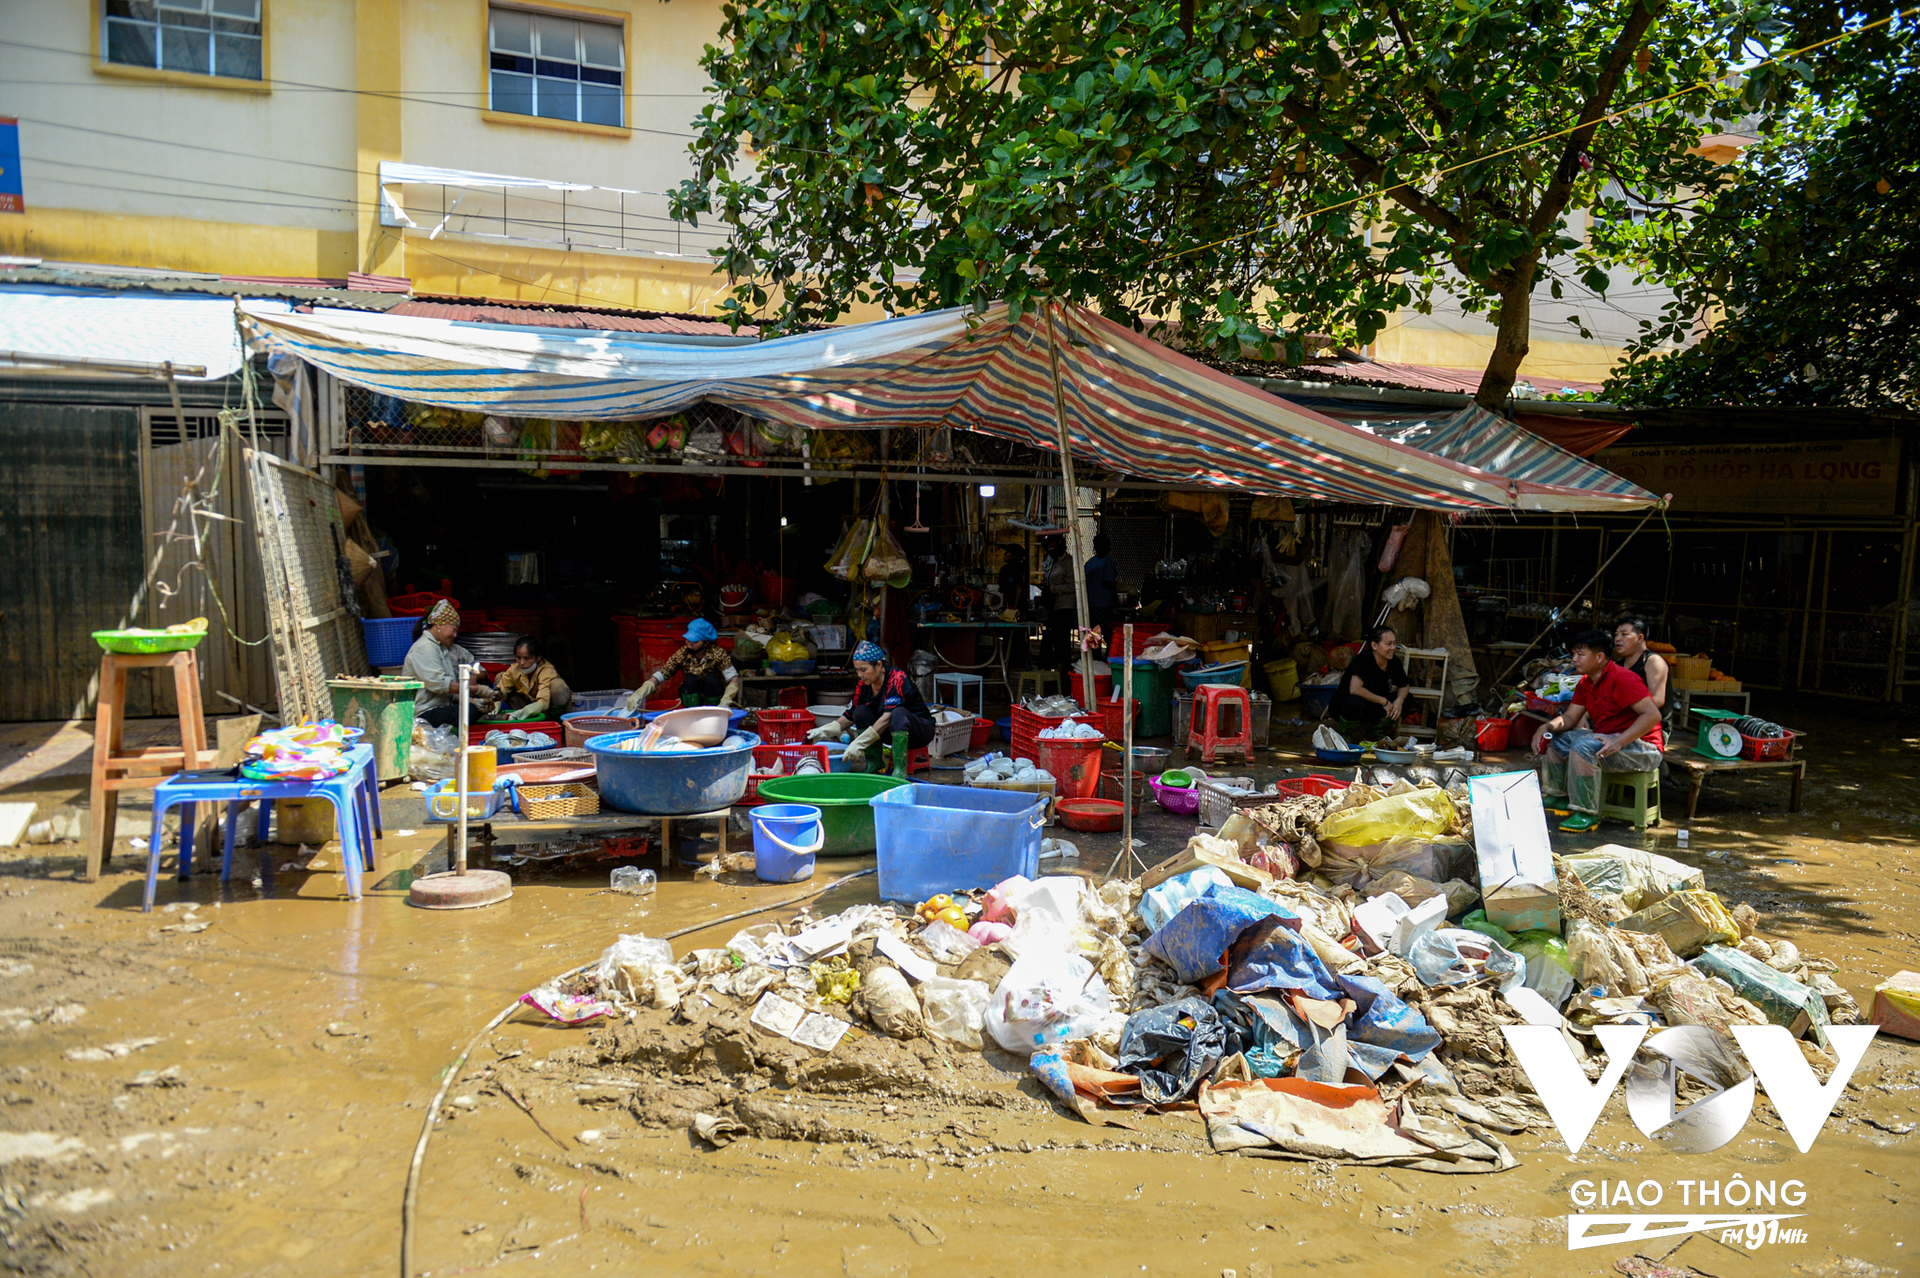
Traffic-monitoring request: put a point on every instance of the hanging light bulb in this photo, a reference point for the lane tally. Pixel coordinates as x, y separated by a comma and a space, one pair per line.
986, 490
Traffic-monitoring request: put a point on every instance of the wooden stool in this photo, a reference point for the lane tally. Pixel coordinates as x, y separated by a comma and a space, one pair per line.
116, 768
1624, 796
1043, 683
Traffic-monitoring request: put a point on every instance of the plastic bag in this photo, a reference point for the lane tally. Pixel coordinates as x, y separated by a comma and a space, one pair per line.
1688, 921
1549, 969
1454, 956
1640, 877
433, 752
954, 1009
1621, 963
1785, 1001
1416, 814
890, 1003
1045, 997
784, 647
1164, 900
641, 968
946, 942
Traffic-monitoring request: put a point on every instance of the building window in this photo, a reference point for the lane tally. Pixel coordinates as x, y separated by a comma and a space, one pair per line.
200, 37
557, 68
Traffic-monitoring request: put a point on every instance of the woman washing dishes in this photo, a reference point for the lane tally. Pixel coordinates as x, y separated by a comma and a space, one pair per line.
531, 688
435, 660
709, 678
884, 701
1372, 692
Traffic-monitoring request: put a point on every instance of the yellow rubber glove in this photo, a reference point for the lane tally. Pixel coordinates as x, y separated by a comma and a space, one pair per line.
637, 699
826, 732
857, 752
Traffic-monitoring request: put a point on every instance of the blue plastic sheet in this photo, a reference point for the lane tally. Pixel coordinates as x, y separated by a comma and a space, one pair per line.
1196, 938
1382, 1020
1282, 961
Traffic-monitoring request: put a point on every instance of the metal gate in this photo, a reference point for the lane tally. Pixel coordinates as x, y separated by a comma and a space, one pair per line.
311, 612
207, 566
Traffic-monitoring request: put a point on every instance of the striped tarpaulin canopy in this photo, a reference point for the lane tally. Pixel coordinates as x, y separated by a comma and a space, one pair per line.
1132, 405
1486, 441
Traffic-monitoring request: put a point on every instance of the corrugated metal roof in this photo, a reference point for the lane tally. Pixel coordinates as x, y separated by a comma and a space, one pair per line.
126, 279
542, 315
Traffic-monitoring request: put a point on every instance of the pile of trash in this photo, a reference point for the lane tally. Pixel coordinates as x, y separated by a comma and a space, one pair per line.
1326, 978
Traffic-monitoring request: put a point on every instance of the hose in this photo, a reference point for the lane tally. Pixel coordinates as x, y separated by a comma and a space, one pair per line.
411, 1196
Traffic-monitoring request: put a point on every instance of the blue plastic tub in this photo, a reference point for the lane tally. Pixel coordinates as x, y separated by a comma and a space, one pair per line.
1317, 698
682, 783
1006, 729
602, 701
388, 639
786, 837
1231, 672
953, 838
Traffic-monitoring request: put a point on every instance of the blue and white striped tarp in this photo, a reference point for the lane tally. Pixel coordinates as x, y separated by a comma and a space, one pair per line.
1132, 404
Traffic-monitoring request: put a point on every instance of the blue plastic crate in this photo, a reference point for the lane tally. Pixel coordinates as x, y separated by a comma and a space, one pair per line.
951, 838
388, 639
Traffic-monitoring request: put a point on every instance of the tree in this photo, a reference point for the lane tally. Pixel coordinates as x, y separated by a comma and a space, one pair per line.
1250, 173
1807, 264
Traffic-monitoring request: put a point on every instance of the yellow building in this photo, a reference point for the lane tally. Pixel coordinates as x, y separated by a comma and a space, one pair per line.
485, 149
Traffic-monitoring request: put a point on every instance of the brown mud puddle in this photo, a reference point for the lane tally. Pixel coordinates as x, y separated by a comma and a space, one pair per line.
300, 1037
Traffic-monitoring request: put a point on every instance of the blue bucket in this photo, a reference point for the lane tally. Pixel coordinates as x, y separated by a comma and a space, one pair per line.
785, 838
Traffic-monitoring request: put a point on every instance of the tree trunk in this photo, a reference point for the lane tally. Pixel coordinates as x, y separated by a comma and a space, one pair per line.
1509, 339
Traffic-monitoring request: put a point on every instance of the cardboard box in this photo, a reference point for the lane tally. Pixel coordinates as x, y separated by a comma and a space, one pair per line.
1517, 881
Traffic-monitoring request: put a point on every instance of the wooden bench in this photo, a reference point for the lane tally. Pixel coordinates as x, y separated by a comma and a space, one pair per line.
1699, 768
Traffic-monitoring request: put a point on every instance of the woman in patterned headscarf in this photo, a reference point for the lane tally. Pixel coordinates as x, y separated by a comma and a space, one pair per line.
435, 660
885, 701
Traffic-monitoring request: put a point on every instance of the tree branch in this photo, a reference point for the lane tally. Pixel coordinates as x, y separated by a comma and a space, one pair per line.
1372, 170
1443, 116
1554, 199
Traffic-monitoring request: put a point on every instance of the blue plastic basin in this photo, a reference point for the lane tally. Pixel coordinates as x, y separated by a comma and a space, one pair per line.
680, 783
952, 838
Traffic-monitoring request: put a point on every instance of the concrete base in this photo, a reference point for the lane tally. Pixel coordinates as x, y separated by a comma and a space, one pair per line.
451, 891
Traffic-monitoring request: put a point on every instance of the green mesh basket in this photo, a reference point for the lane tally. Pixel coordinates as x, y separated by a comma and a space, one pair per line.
144, 642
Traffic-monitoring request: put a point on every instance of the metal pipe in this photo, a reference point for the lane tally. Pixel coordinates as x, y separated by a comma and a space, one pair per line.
1081, 610
131, 368
1126, 735
460, 851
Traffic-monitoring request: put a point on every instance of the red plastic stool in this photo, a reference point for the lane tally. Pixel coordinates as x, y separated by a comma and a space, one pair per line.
918, 760
1203, 731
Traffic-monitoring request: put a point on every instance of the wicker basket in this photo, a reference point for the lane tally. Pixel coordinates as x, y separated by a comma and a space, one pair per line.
568, 799
1692, 667
587, 727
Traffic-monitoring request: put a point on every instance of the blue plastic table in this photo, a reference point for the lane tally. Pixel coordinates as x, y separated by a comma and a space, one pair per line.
355, 795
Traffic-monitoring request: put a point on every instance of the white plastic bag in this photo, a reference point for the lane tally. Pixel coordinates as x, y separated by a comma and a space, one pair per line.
955, 1009
641, 968
1045, 997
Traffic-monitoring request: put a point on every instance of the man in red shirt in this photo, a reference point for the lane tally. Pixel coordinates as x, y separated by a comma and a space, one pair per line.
1624, 737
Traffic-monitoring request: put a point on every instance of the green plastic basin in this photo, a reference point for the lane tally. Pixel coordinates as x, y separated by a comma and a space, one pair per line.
842, 797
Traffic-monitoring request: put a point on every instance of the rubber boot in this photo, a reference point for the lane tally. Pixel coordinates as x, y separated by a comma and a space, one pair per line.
900, 755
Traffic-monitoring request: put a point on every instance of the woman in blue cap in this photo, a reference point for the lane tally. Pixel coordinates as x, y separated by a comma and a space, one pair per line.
885, 702
707, 669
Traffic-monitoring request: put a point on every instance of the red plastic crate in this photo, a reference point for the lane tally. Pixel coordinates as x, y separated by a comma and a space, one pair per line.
795, 698
779, 726
1295, 787
788, 755
1764, 748
1027, 727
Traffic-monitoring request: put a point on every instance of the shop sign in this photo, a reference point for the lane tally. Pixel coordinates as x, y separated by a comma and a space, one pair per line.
12, 194
1856, 477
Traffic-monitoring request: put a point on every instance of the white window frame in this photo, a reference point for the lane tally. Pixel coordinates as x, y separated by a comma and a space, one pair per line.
214, 10
542, 24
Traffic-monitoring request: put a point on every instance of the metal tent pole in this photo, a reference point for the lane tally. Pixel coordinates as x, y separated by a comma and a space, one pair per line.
1073, 507
460, 847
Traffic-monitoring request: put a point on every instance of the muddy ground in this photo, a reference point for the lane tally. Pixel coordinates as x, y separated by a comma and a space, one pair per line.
245, 1096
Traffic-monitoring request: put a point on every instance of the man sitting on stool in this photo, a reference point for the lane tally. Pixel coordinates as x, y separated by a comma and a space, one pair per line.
1625, 736
1630, 650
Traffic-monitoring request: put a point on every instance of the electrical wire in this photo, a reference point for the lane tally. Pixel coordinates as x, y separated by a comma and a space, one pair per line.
409, 1201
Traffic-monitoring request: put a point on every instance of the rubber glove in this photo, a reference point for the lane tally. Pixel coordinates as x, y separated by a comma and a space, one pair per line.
533, 711
637, 699
727, 698
857, 752
825, 733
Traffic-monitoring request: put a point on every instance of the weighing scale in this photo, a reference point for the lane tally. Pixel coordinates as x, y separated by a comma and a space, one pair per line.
1719, 739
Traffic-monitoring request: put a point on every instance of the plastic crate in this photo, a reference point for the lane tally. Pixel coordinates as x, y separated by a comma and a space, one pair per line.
950, 838
1027, 727
1767, 748
950, 738
606, 700
787, 757
388, 639
1294, 787
443, 803
781, 726
791, 668
1216, 804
